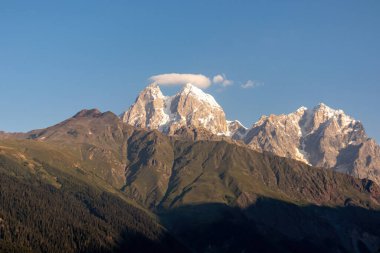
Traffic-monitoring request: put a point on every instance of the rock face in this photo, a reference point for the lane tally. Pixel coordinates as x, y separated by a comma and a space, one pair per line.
236, 130
149, 109
321, 137
190, 107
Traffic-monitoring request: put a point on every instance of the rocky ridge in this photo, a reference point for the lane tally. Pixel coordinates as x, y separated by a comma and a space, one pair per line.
190, 107
321, 137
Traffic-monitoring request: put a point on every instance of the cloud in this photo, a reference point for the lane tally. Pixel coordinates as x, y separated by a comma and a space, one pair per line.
251, 84
217, 79
222, 80
173, 79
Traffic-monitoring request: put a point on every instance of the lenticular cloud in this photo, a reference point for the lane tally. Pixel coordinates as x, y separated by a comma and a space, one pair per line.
173, 79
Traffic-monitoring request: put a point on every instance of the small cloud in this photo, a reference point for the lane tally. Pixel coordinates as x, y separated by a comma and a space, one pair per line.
222, 80
217, 79
173, 79
251, 84
227, 83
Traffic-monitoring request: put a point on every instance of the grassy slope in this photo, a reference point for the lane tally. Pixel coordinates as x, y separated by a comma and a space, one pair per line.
220, 172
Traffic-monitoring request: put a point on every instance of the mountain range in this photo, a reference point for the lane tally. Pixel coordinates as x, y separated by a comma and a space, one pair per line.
171, 174
321, 136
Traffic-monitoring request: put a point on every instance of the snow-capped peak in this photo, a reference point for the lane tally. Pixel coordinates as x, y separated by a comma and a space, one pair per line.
237, 122
189, 89
152, 90
320, 136
330, 114
190, 107
153, 85
302, 109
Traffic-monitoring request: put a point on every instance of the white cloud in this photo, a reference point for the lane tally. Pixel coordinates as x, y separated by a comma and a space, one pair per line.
173, 79
227, 83
251, 84
222, 80
218, 79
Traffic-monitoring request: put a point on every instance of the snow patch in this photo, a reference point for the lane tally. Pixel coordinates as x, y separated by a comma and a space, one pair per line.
190, 89
302, 156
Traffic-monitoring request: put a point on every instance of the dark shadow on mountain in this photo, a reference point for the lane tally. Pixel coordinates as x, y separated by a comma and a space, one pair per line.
271, 225
140, 244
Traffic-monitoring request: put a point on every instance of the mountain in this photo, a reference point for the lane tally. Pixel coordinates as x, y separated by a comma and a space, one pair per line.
92, 140
125, 157
190, 107
208, 195
217, 196
180, 186
164, 172
321, 136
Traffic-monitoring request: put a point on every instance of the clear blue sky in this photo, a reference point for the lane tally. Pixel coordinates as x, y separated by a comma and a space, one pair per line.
58, 57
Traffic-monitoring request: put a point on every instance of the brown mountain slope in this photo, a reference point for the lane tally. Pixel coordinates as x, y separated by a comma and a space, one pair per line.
95, 140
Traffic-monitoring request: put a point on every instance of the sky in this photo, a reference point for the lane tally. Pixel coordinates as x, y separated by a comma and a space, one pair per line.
261, 57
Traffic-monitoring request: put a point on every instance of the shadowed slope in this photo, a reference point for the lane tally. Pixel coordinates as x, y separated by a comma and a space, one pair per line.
271, 225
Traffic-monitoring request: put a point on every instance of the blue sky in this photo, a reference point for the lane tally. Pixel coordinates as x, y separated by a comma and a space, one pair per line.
58, 57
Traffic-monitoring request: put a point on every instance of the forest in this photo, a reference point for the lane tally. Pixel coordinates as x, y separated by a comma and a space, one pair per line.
38, 217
